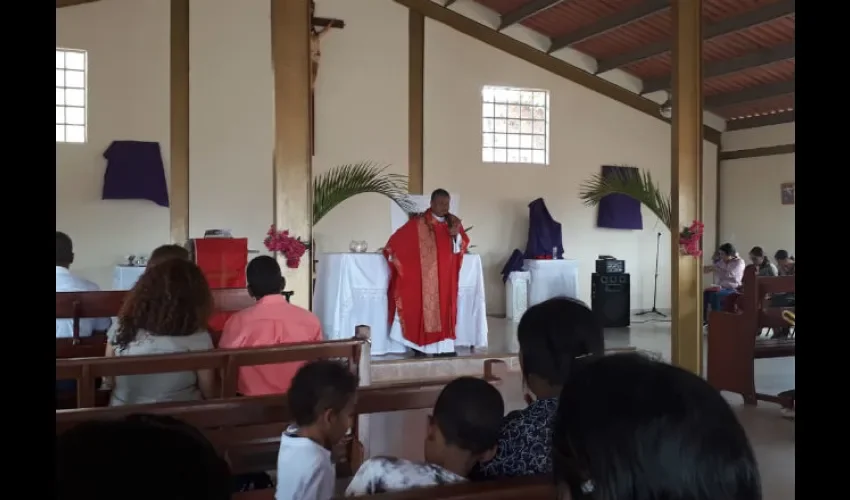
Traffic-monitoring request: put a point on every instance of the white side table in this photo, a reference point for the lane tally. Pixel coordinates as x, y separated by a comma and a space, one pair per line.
516, 295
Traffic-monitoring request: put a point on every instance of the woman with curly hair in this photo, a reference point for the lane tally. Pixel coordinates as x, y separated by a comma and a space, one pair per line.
166, 312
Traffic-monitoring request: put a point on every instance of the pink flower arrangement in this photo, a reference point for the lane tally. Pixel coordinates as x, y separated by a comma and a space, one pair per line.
690, 237
291, 247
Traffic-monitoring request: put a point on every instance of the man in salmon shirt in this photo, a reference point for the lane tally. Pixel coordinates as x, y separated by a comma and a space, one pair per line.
271, 321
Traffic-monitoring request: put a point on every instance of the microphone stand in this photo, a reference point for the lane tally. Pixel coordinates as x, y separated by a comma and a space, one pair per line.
654, 310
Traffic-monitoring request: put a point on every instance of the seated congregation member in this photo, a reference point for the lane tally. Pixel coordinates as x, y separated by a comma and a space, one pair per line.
632, 428
167, 252
169, 459
69, 282
728, 269
166, 312
785, 262
462, 432
271, 321
552, 336
763, 264
321, 400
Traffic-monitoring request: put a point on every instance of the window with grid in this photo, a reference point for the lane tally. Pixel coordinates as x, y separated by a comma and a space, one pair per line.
515, 125
70, 95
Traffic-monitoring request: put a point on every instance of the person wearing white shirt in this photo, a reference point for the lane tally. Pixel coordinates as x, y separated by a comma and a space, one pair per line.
68, 282
321, 399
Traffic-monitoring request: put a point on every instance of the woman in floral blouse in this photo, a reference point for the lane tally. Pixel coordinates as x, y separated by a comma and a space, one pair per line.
552, 336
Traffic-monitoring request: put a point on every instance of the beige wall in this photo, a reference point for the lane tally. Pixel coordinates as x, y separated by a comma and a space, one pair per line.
751, 211
361, 114
128, 98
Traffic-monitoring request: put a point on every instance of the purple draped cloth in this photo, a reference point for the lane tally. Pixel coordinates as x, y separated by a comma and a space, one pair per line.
544, 233
134, 171
618, 211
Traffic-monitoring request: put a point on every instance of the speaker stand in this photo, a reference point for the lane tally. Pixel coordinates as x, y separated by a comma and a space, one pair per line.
655, 310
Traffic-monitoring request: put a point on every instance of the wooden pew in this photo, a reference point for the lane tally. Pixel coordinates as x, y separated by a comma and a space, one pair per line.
80, 305
525, 488
227, 361
733, 337
247, 430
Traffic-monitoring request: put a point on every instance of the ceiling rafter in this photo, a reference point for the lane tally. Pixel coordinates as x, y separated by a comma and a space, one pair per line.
750, 94
760, 16
71, 3
526, 11
610, 23
761, 57
761, 121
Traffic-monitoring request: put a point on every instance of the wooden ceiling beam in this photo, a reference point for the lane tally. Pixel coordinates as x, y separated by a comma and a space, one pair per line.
740, 154
531, 55
755, 59
526, 11
750, 94
70, 3
610, 23
754, 18
760, 121
449, 2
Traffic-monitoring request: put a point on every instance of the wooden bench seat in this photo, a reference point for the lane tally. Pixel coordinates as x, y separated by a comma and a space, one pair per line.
733, 337
106, 304
86, 371
247, 430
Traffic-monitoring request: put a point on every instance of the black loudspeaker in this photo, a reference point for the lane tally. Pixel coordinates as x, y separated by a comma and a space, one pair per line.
610, 299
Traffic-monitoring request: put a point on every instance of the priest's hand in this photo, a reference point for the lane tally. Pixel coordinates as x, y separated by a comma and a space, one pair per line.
454, 225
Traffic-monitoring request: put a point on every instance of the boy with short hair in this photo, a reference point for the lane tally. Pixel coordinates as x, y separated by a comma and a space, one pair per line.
463, 431
321, 400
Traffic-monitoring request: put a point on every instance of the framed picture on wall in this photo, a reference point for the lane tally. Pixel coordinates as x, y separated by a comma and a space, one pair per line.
787, 191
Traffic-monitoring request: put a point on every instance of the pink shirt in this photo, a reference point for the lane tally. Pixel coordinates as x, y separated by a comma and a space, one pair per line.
271, 321
729, 274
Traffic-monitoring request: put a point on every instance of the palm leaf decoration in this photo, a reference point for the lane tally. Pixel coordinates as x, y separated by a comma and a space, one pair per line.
639, 187
342, 182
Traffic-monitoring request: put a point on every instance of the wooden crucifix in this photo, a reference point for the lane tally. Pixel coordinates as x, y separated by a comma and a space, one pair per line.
320, 27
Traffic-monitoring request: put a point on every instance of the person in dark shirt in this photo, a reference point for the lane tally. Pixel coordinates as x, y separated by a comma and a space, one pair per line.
552, 336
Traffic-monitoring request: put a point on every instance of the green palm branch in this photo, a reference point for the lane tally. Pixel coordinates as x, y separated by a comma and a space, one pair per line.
640, 187
342, 182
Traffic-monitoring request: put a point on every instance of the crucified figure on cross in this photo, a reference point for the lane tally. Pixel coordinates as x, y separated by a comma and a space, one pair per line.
316, 35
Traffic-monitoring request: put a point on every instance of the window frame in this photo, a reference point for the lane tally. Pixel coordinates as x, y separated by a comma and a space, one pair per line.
489, 137
64, 105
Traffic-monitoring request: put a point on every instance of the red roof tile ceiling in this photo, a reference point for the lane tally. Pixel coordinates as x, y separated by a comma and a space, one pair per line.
568, 16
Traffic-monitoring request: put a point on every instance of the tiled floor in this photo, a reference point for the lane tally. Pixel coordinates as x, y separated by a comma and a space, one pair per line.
401, 434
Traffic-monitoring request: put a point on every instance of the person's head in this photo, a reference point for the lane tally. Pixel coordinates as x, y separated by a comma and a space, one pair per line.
322, 398
783, 258
440, 201
171, 299
630, 427
264, 277
64, 250
167, 252
758, 257
727, 251
552, 335
465, 426
94, 458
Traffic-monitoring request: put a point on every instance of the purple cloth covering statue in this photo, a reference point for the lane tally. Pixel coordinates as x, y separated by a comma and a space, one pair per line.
134, 171
514, 264
544, 233
618, 211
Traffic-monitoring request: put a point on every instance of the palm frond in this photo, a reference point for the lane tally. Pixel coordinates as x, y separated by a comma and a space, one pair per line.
640, 187
342, 182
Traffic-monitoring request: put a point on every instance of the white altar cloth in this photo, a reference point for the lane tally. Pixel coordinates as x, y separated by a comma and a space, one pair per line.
551, 278
351, 290
124, 277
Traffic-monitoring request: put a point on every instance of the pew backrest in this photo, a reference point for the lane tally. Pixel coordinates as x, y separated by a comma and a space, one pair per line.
227, 361
756, 293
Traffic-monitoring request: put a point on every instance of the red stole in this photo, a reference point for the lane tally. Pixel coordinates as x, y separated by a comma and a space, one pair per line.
424, 274
223, 262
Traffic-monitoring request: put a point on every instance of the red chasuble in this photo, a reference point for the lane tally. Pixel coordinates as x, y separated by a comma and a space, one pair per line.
223, 262
424, 273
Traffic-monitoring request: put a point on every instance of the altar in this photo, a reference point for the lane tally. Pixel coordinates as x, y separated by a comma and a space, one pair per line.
351, 290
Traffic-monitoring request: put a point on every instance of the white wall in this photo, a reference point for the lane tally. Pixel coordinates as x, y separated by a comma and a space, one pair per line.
362, 114
751, 209
128, 98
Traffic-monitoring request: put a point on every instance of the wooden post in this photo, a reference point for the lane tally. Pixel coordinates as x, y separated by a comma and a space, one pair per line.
687, 339
290, 33
416, 96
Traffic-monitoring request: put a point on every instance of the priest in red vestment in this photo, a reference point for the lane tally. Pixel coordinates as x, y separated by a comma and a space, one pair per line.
425, 255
